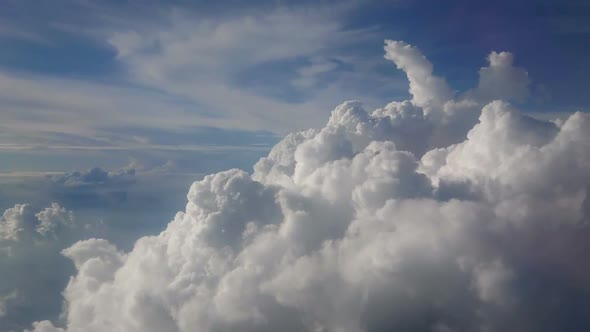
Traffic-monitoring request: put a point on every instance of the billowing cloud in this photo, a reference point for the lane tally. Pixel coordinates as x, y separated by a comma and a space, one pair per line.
20, 223
89, 204
427, 90
33, 271
501, 80
446, 212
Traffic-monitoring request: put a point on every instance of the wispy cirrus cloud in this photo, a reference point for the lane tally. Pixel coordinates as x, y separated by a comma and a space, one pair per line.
187, 69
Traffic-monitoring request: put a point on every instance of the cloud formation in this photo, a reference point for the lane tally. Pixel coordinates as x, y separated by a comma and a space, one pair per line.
94, 187
95, 177
33, 271
446, 212
20, 223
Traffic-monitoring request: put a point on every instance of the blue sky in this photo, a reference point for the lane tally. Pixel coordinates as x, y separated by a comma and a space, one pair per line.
134, 74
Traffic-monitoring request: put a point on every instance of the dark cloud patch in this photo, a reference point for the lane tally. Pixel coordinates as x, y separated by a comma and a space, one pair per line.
94, 187
94, 177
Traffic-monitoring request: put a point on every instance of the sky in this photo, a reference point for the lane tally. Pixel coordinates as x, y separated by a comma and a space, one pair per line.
173, 165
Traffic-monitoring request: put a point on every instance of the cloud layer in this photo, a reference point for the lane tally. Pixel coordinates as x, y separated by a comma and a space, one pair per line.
446, 212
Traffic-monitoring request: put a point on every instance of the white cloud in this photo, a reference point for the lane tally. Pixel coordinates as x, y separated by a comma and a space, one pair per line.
501, 80
441, 213
32, 268
21, 227
17, 222
20, 223
53, 218
428, 91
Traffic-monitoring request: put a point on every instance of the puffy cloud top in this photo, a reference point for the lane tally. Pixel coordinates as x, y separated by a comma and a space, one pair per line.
15, 221
427, 90
20, 222
33, 271
502, 59
501, 80
441, 213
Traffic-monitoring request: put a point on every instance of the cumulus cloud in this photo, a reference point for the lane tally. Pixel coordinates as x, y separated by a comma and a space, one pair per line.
446, 212
53, 218
15, 221
502, 80
33, 271
427, 90
20, 223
